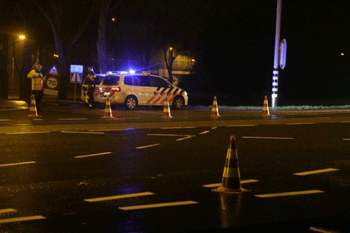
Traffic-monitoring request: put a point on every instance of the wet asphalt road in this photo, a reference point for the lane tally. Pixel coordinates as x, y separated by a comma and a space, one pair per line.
69, 171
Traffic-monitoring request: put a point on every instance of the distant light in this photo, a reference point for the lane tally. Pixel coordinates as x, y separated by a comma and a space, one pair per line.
193, 60
55, 55
132, 71
171, 48
113, 19
22, 37
341, 54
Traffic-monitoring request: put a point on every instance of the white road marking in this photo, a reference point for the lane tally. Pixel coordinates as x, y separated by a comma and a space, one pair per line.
82, 132
72, 119
21, 219
158, 205
92, 155
184, 137
143, 147
3, 211
29, 132
301, 123
315, 172
346, 139
219, 184
289, 193
322, 230
204, 132
189, 127
17, 164
98, 130
215, 127
36, 119
5, 120
240, 125
159, 113
345, 122
256, 137
97, 199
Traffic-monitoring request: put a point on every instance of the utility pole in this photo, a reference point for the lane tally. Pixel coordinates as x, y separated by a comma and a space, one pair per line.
275, 71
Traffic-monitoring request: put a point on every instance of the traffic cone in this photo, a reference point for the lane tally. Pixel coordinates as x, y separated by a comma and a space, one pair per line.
231, 181
215, 109
108, 109
33, 112
166, 110
265, 110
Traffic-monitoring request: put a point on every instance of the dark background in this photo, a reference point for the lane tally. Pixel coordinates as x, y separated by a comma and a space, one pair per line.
232, 42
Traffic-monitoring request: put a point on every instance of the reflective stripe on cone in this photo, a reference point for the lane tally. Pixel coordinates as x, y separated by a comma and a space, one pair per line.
231, 180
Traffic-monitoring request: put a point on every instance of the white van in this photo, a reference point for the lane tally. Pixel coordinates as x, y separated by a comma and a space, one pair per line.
132, 90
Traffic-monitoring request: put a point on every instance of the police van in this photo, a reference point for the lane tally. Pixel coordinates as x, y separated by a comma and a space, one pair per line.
131, 90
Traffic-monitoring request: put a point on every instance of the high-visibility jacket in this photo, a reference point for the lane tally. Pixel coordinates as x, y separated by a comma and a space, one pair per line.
37, 80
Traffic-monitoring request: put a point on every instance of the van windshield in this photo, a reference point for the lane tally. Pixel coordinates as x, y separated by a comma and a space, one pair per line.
111, 80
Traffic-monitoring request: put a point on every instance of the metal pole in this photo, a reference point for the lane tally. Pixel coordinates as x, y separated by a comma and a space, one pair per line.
276, 56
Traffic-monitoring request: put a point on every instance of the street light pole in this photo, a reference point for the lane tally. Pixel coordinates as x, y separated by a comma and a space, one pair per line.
275, 71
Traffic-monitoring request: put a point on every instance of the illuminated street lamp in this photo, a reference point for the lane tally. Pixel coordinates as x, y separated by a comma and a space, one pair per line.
22, 37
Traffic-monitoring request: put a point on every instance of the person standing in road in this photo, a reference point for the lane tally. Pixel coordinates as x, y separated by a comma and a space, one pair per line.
37, 84
89, 91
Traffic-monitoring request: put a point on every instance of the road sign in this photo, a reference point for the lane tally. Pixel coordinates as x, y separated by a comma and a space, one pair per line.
283, 54
76, 73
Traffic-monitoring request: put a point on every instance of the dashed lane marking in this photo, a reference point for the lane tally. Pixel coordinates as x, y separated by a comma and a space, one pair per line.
8, 210
189, 127
204, 132
301, 123
184, 137
17, 164
158, 205
82, 132
42, 132
97, 199
257, 137
22, 219
72, 119
252, 125
92, 155
315, 172
306, 192
147, 146
218, 184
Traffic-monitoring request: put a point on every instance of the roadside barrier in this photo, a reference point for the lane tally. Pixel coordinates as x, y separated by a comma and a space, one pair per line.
265, 110
231, 181
108, 109
33, 112
166, 110
215, 109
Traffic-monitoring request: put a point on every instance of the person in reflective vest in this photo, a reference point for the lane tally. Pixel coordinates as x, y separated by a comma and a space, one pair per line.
89, 91
37, 84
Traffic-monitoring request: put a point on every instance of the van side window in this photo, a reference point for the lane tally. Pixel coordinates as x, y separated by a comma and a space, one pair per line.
144, 81
111, 80
128, 80
157, 82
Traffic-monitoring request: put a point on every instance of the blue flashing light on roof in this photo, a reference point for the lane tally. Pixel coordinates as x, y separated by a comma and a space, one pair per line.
132, 71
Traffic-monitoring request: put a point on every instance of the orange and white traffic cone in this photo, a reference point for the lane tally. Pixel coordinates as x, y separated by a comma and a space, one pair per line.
265, 110
166, 110
108, 109
231, 180
33, 112
215, 109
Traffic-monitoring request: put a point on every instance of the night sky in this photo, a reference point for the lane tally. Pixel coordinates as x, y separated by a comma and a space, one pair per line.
235, 44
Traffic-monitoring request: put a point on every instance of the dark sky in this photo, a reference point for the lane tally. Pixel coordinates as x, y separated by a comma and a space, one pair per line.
236, 43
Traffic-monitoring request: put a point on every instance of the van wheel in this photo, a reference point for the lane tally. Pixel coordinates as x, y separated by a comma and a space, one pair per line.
130, 103
178, 103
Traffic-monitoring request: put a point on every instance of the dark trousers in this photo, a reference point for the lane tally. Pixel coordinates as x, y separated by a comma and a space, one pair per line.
38, 95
